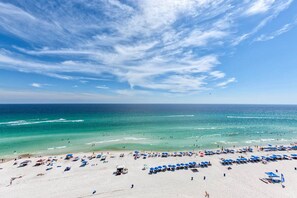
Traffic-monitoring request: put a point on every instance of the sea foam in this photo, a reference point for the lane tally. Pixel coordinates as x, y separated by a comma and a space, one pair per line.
116, 140
39, 121
175, 116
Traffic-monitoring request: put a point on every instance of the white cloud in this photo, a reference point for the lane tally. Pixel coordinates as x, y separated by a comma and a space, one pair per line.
217, 74
259, 6
225, 83
285, 28
170, 45
37, 85
102, 87
275, 10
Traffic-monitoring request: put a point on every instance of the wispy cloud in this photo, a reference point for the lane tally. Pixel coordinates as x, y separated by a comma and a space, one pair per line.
169, 46
259, 6
225, 83
285, 28
274, 7
102, 87
37, 85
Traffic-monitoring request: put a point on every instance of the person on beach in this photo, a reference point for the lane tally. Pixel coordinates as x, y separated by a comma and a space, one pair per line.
224, 174
204, 178
132, 186
192, 178
206, 194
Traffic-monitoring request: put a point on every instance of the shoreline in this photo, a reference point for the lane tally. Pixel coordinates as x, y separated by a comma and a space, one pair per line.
28, 155
54, 176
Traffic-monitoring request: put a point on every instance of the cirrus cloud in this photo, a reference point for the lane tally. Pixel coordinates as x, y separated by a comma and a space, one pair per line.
169, 46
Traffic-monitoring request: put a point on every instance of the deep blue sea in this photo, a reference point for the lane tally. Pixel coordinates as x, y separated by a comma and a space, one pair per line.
60, 128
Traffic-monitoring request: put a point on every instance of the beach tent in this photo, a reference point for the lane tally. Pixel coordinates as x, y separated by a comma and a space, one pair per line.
282, 178
271, 174
294, 147
273, 177
119, 167
68, 156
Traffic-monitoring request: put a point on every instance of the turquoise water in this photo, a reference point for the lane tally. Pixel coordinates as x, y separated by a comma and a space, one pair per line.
72, 128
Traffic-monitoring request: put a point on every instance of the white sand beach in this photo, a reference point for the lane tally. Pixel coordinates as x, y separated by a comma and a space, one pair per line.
97, 177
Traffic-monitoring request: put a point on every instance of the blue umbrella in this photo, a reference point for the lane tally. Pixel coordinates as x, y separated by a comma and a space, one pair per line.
282, 178
271, 174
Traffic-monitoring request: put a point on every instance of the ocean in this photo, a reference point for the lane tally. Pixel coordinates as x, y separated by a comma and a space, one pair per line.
62, 128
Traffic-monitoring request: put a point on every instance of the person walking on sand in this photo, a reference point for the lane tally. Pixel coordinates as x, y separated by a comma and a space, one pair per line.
132, 186
206, 194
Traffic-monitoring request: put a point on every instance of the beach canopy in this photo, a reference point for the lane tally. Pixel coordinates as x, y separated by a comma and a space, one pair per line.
271, 174
282, 178
120, 166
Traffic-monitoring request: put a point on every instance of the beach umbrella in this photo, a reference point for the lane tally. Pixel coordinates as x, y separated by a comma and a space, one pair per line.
282, 178
271, 174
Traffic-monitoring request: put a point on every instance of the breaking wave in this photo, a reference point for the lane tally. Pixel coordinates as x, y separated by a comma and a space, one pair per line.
117, 140
176, 116
261, 117
29, 122
58, 147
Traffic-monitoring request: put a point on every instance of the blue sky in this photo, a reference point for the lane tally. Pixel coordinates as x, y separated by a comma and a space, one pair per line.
149, 51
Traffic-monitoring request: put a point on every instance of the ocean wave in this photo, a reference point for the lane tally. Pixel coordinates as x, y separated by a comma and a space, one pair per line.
212, 135
232, 134
205, 136
207, 128
116, 140
39, 121
221, 142
58, 147
174, 116
225, 142
260, 117
260, 140
220, 128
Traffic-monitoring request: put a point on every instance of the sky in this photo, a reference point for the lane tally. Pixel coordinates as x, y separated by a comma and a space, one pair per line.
148, 51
